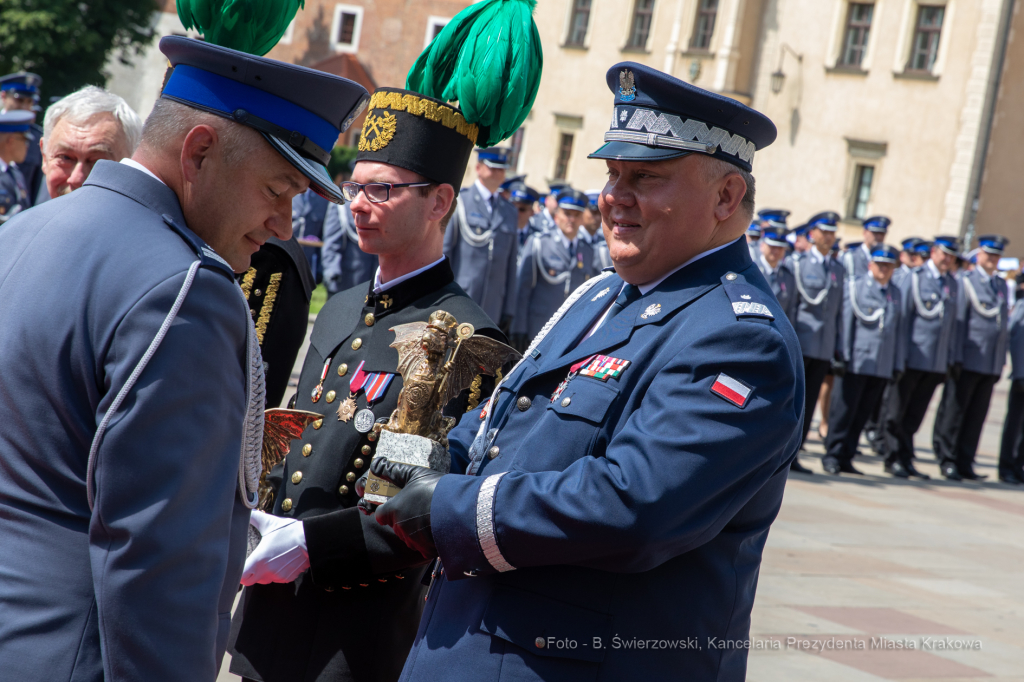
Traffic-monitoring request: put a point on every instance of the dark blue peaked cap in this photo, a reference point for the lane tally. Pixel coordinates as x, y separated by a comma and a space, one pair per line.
572, 199
883, 253
949, 244
16, 121
776, 216
508, 181
877, 223
910, 243
993, 243
21, 82
299, 111
657, 117
519, 192
826, 220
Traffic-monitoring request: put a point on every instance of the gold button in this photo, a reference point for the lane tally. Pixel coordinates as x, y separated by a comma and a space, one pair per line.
331, 395
493, 452
539, 642
342, 369
306, 450
357, 344
368, 319
565, 403
317, 424
350, 477
286, 504
365, 449
371, 436
297, 477
358, 464
344, 491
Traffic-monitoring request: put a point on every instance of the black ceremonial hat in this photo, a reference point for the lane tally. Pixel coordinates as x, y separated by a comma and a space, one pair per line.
422, 134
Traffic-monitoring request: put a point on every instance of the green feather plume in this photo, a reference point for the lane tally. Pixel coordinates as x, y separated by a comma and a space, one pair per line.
489, 58
251, 26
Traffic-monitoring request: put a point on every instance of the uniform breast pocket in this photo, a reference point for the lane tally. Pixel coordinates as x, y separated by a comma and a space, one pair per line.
569, 427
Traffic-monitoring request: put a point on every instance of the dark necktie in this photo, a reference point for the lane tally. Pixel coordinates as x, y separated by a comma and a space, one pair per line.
628, 294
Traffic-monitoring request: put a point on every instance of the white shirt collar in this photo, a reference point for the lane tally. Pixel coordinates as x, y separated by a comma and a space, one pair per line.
484, 192
138, 166
816, 255
985, 277
933, 269
768, 266
378, 287
565, 240
866, 250
650, 286
3, 166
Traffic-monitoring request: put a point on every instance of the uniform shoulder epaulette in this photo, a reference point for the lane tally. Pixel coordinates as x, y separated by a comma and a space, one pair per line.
208, 256
852, 245
747, 300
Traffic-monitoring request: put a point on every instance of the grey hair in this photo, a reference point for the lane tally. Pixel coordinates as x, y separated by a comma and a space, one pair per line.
170, 122
716, 169
80, 106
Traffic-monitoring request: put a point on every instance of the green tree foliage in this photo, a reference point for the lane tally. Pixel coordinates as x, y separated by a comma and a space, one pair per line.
68, 42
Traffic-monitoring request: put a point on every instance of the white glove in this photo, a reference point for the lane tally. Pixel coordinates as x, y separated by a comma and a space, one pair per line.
281, 555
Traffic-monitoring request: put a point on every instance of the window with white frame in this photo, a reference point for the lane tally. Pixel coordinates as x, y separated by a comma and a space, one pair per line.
345, 29
434, 26
927, 33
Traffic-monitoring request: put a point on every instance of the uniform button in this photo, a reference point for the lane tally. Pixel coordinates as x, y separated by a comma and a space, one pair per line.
731, 276
539, 642
358, 464
342, 369
286, 504
523, 404
366, 449
331, 395
368, 319
371, 436
350, 477
317, 424
357, 344
493, 452
297, 477
344, 491
258, 292
566, 401
307, 449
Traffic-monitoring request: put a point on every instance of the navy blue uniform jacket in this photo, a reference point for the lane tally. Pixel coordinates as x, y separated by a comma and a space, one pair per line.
636, 508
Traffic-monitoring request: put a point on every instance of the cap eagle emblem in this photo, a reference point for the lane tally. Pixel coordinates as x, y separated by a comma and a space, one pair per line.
627, 90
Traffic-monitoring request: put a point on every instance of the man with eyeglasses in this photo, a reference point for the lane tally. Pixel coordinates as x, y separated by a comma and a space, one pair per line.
334, 567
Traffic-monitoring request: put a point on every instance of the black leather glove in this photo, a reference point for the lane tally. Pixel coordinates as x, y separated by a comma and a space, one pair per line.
408, 512
838, 367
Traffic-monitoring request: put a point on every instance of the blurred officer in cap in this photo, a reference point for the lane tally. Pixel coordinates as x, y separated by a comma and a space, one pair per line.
553, 264
14, 144
874, 349
593, 233
480, 239
309, 212
774, 218
524, 198
771, 261
798, 239
929, 306
819, 281
20, 92
1011, 451
545, 220
979, 353
753, 235
345, 264
858, 254
611, 485
133, 389
87, 126
506, 187
910, 257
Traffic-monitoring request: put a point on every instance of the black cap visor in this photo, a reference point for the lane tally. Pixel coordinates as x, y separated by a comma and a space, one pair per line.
319, 179
629, 151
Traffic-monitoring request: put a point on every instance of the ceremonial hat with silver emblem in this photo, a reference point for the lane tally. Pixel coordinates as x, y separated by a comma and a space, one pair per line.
825, 221
657, 117
521, 193
16, 121
910, 244
993, 243
922, 248
22, 82
774, 236
878, 223
299, 111
949, 244
883, 253
494, 157
774, 217
572, 199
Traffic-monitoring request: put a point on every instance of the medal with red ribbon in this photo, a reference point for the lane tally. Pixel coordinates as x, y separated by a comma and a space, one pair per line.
318, 390
600, 367
375, 384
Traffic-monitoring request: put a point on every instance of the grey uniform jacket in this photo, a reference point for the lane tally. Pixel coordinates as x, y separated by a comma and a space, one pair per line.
820, 304
855, 260
981, 324
13, 193
1017, 340
929, 308
482, 246
874, 335
150, 573
602, 259
548, 274
542, 222
783, 285
345, 264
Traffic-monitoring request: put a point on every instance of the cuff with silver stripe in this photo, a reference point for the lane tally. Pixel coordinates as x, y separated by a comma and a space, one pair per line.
485, 524
654, 140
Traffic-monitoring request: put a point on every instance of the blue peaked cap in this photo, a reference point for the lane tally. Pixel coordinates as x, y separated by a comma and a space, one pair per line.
883, 253
16, 121
521, 193
755, 229
949, 244
993, 243
21, 82
826, 220
494, 157
774, 215
774, 236
572, 199
910, 243
922, 247
508, 182
878, 223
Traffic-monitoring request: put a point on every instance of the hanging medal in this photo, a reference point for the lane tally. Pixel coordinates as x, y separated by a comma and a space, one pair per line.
569, 377
318, 390
375, 385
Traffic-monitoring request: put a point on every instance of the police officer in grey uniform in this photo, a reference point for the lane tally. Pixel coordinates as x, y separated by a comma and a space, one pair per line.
858, 254
874, 349
819, 282
914, 254
309, 210
345, 264
771, 262
552, 266
480, 240
20, 92
929, 304
1011, 451
979, 353
545, 220
132, 389
593, 232
14, 144
523, 197
753, 236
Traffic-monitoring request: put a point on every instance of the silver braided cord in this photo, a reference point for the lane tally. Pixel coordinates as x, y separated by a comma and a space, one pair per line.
979, 308
922, 311
822, 295
866, 319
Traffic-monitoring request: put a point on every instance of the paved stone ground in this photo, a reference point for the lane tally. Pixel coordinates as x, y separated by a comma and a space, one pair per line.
876, 562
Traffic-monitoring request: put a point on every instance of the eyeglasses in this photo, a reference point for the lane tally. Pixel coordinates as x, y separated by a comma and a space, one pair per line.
376, 192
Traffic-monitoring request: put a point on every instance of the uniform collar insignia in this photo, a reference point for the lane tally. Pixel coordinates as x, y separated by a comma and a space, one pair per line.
601, 294
652, 310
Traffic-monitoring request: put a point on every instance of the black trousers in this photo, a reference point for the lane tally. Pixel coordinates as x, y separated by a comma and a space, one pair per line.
875, 425
1011, 451
814, 373
906, 403
854, 396
965, 401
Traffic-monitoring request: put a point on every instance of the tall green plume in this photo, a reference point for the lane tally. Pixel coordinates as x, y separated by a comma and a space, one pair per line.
252, 26
489, 58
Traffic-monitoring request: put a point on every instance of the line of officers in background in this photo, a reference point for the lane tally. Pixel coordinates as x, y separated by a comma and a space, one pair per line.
885, 327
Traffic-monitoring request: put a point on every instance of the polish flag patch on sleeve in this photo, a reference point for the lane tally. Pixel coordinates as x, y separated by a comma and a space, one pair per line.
733, 390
